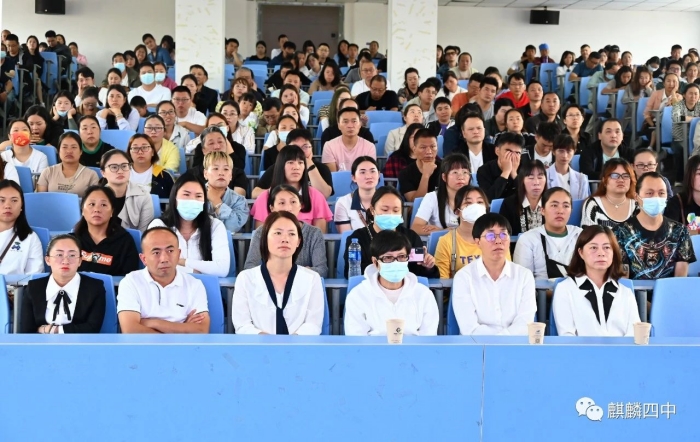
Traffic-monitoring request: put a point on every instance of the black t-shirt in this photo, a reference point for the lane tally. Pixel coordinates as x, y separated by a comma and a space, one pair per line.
92, 159
270, 157
409, 178
265, 180
118, 206
388, 101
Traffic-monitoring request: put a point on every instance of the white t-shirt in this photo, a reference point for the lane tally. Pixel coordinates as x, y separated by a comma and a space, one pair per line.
476, 161
154, 96
546, 160
194, 116
360, 87
24, 257
37, 161
345, 214
143, 179
564, 181
429, 211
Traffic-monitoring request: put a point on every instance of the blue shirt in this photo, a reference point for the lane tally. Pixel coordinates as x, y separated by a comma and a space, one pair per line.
584, 71
162, 55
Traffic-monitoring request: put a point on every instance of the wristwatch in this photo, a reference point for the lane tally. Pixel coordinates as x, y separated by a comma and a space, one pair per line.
312, 167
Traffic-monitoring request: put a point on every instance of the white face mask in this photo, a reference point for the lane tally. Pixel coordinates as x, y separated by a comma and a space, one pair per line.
472, 212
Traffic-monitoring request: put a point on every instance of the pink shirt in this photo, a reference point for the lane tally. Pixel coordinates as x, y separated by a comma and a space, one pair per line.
334, 151
319, 208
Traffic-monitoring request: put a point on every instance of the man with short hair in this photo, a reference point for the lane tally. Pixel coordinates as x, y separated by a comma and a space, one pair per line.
15, 59
59, 48
549, 112
588, 68
281, 40
544, 143
614, 54
231, 53
293, 77
288, 50
374, 50
585, 52
497, 177
323, 51
333, 131
474, 147
186, 115
652, 245
676, 51
155, 52
464, 69
451, 53
645, 160
339, 153
544, 55
516, 90
207, 98
162, 298
487, 92
673, 67
152, 92
423, 175
271, 112
368, 70
610, 145
354, 74
521, 65
534, 100
492, 295
86, 79
353, 51
442, 109
378, 97
459, 100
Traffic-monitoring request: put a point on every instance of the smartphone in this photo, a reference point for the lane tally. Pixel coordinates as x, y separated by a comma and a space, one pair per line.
416, 255
682, 117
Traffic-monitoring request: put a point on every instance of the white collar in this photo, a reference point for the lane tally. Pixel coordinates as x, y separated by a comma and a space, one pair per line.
482, 271
526, 203
52, 288
177, 282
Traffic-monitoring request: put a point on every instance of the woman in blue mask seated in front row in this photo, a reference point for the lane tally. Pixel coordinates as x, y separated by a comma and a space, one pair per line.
400, 294
387, 210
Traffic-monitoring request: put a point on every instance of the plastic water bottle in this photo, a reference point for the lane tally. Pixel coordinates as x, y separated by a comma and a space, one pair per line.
354, 259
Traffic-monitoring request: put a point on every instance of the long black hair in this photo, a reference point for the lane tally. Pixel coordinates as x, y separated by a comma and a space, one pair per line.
292, 153
330, 63
62, 121
52, 131
445, 77
22, 228
404, 149
125, 109
171, 218
528, 168
451, 162
81, 228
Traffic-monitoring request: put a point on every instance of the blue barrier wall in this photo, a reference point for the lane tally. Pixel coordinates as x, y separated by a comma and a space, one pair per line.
264, 388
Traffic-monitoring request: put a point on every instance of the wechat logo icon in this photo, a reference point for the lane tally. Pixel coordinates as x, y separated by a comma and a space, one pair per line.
587, 407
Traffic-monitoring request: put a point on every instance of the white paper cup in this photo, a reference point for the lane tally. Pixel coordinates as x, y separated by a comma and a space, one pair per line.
394, 331
535, 332
641, 333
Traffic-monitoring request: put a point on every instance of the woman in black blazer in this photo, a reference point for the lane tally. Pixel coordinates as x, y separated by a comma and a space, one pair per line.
76, 303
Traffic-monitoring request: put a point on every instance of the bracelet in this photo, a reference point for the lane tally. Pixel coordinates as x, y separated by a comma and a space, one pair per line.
313, 166
218, 206
119, 116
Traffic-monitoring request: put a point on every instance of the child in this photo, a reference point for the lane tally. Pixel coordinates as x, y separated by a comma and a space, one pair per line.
139, 103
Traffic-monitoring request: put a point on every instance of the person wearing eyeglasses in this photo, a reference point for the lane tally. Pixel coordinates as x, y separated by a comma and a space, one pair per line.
646, 160
168, 153
133, 206
392, 292
378, 97
187, 116
614, 201
146, 173
175, 133
491, 295
64, 301
92, 146
573, 120
106, 246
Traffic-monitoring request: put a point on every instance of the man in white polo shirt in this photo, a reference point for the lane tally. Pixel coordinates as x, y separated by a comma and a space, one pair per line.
187, 115
152, 92
160, 298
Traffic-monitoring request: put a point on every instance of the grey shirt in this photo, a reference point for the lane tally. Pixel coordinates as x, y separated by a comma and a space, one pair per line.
313, 251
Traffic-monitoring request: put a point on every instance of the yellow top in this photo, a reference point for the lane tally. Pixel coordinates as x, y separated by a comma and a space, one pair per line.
466, 253
169, 156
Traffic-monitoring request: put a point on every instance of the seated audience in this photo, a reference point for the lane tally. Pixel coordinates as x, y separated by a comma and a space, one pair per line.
473, 144
270, 112
352, 210
187, 114
411, 80
497, 123
561, 174
614, 202
146, 173
202, 239
573, 120
92, 146
547, 250
63, 111
333, 131
242, 134
217, 137
329, 79
610, 145
106, 247
44, 132
223, 204
207, 97
544, 142
268, 287
20, 247
641, 86
591, 301
523, 210
404, 155
516, 90
168, 153
328, 113
683, 111
685, 205
412, 113
152, 92
173, 132
493, 296
339, 153
139, 305
20, 152
50, 304
408, 299
426, 96
368, 71
443, 116
666, 96
313, 251
378, 97
534, 97
450, 87
117, 113
645, 160
515, 124
133, 207
277, 140
421, 176
497, 177
68, 176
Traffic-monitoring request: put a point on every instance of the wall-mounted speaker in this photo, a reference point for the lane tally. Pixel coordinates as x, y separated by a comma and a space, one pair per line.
544, 17
57, 7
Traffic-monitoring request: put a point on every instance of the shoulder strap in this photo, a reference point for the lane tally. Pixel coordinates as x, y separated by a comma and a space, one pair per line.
453, 258
7, 247
680, 200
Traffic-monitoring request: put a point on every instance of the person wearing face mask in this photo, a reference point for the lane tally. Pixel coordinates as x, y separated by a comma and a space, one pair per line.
152, 92
20, 152
129, 76
277, 140
63, 111
652, 245
547, 250
201, 238
458, 248
392, 292
386, 210
161, 76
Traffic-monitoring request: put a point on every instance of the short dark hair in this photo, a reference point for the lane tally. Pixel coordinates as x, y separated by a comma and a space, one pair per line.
423, 133
490, 81
609, 120
477, 77
183, 89
261, 42
548, 131
509, 138
577, 266
232, 40
594, 54
389, 241
13, 37
199, 66
352, 110
289, 45
380, 79
270, 103
573, 106
441, 100
646, 175
117, 54
500, 102
674, 47
300, 133
50, 34
281, 36
292, 72
151, 230
269, 221
516, 76
533, 82
138, 101
583, 46
672, 62
488, 221
146, 64
146, 37
86, 72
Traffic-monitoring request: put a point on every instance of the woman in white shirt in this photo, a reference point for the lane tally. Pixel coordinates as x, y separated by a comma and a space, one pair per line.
392, 292
202, 239
240, 133
450, 86
290, 95
114, 76
411, 114
278, 296
591, 301
117, 113
352, 210
177, 134
21, 153
547, 250
566, 64
20, 248
438, 211
560, 174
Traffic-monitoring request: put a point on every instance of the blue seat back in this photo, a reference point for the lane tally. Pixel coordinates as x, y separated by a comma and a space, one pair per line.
326, 325
416, 204
602, 100
576, 213
214, 301
641, 105
320, 95
675, 311
171, 74
529, 72
576, 163
340, 259
434, 238
342, 182
117, 138
49, 75
383, 129
548, 76
136, 236
25, 179
156, 206
63, 207
96, 170
584, 93
666, 124
4, 308
142, 124
384, 117
441, 142
232, 264
49, 151
464, 84
620, 107
44, 236
229, 72
496, 205
381, 144
694, 268
182, 167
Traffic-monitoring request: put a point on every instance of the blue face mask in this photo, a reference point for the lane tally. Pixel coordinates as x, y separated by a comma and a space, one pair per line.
120, 66
388, 222
653, 206
160, 77
147, 78
189, 209
394, 271
3, 54
62, 113
224, 130
282, 135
